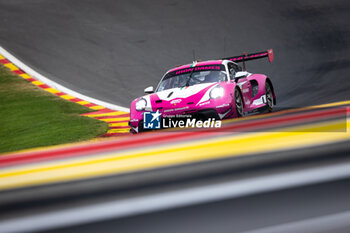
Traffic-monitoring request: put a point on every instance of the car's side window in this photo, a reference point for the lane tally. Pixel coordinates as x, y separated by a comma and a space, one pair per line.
237, 67
231, 70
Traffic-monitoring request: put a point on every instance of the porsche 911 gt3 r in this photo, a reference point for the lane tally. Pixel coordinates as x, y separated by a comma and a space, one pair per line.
215, 89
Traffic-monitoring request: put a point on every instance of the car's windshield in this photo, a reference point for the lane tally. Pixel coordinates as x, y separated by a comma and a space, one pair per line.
200, 75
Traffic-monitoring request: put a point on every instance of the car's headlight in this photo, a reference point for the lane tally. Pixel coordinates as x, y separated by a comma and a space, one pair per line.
217, 92
141, 104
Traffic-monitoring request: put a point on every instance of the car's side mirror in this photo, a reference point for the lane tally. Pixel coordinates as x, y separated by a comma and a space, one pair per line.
241, 74
149, 90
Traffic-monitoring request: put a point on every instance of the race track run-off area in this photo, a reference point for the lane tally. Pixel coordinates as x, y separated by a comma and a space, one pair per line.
116, 118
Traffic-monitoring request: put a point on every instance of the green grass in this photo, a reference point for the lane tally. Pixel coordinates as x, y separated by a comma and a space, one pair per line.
31, 117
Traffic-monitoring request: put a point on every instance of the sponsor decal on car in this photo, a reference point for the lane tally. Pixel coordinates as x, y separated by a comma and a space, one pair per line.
176, 101
222, 106
261, 100
204, 103
183, 108
168, 110
198, 68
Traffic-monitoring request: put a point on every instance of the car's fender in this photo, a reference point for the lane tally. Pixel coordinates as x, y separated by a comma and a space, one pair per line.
258, 96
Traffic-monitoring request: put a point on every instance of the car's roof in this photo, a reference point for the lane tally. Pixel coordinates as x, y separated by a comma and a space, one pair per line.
199, 63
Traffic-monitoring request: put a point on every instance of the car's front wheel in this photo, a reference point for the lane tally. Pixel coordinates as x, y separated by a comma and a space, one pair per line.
238, 103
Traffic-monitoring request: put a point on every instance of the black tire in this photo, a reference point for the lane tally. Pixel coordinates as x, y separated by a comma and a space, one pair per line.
238, 103
141, 129
269, 97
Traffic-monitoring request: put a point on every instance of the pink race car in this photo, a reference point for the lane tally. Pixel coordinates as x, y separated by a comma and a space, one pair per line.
216, 89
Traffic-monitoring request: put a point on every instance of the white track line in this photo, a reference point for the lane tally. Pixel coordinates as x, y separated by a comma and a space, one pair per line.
57, 86
329, 223
174, 199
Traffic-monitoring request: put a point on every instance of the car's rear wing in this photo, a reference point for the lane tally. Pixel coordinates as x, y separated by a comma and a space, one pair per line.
252, 56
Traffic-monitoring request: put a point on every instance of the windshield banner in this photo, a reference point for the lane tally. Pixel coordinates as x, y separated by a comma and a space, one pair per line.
197, 68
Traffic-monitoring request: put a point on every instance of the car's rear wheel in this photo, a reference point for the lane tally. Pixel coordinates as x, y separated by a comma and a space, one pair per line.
238, 103
269, 97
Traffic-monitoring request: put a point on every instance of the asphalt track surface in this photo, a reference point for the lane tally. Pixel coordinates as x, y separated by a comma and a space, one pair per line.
111, 50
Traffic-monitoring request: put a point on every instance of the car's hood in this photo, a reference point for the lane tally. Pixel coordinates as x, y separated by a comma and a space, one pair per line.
183, 92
